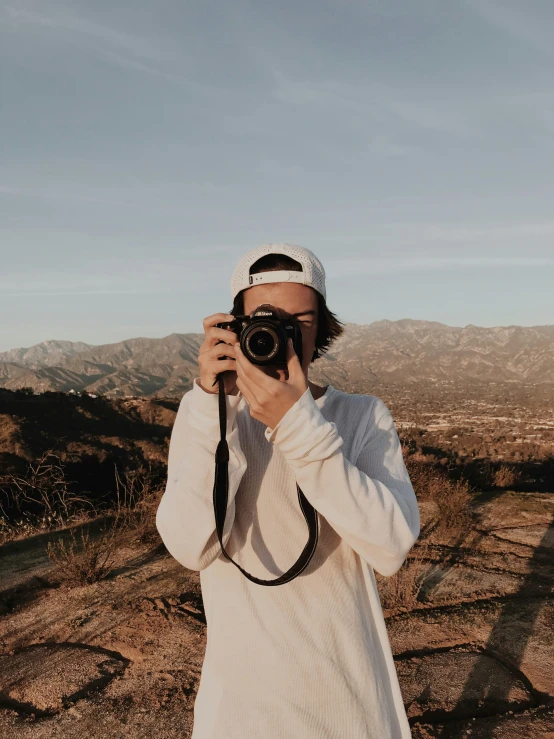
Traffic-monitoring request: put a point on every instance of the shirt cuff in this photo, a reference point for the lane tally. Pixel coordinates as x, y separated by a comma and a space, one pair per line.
303, 434
204, 410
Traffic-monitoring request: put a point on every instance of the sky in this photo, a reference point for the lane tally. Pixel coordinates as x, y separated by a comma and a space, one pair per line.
145, 146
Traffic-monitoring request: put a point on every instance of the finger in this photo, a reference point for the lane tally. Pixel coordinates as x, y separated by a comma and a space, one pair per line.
219, 350
252, 373
216, 335
210, 321
296, 373
246, 391
225, 365
293, 362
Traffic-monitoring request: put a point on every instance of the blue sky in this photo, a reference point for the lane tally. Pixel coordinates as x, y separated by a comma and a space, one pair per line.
146, 145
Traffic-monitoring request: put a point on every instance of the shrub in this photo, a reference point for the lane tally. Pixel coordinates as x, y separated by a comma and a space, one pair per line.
93, 557
138, 497
432, 482
39, 500
506, 476
401, 590
90, 560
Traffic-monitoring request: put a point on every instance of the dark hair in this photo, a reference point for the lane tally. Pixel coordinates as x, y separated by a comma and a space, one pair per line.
329, 328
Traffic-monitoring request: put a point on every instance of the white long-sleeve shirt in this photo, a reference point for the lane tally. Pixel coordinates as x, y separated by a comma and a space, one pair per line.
309, 659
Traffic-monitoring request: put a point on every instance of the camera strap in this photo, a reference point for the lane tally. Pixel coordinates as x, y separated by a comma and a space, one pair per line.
220, 497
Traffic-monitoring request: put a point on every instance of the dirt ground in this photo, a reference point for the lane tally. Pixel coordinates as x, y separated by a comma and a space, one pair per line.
122, 657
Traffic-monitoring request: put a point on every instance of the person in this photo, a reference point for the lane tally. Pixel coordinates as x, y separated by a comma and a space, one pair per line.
310, 658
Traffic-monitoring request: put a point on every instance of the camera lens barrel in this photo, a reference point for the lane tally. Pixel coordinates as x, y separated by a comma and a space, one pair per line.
261, 342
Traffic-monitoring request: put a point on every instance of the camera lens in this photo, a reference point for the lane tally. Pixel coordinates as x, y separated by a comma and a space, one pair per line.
261, 343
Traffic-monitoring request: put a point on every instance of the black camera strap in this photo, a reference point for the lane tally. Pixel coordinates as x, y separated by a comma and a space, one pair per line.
220, 497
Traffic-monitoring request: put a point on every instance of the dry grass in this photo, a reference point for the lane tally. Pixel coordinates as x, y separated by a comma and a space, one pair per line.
452, 496
401, 591
133, 521
40, 500
452, 499
138, 497
86, 561
506, 476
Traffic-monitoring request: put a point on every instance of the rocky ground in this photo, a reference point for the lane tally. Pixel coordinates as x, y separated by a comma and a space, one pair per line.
122, 657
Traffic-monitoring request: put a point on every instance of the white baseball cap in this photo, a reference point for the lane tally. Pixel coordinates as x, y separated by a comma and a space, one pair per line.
312, 273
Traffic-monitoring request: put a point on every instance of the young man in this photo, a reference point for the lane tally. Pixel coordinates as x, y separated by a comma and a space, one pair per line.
310, 658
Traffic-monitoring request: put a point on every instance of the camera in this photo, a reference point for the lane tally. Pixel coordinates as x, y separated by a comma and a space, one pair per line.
263, 335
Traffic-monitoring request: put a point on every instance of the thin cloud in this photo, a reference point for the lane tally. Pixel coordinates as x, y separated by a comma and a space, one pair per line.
64, 196
70, 22
58, 293
339, 268
499, 232
122, 49
135, 53
522, 24
434, 111
88, 273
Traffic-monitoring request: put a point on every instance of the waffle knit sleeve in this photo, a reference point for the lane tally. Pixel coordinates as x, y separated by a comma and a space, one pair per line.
371, 504
185, 515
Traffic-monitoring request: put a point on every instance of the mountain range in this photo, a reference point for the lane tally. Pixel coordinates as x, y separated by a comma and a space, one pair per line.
404, 351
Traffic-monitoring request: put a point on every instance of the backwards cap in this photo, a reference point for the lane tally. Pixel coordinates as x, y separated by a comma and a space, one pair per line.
312, 273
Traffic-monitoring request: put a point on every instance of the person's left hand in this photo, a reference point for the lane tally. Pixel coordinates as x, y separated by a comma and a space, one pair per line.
270, 399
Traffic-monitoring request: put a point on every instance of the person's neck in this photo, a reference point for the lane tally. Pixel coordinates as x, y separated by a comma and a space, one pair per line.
316, 390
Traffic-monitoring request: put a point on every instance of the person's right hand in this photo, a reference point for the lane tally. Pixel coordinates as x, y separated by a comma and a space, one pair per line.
213, 348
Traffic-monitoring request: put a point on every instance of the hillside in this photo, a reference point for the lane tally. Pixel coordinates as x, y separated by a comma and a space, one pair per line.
383, 352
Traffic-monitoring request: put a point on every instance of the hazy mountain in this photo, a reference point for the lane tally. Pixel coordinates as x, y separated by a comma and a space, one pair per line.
415, 351
381, 352
46, 354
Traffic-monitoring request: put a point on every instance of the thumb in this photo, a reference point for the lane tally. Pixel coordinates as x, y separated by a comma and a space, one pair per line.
293, 363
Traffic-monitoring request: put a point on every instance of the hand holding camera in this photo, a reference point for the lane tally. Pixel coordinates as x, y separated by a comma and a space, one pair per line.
270, 399
217, 354
267, 341
243, 348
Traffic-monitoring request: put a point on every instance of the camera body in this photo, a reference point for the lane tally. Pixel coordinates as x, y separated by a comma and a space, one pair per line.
263, 336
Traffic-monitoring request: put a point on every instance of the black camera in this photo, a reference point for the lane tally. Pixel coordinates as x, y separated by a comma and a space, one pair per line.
263, 336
